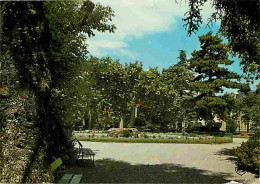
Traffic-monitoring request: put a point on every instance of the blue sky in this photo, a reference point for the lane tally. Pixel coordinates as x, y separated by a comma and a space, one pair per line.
150, 31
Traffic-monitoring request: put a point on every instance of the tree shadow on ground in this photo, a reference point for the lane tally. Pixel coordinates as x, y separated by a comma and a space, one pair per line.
230, 153
113, 171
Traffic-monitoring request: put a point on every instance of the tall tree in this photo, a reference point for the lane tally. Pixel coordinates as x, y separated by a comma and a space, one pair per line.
211, 76
239, 24
250, 110
46, 41
178, 77
157, 99
117, 85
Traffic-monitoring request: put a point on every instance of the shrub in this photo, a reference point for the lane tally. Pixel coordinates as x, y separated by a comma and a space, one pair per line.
125, 133
193, 135
135, 134
113, 133
142, 135
248, 154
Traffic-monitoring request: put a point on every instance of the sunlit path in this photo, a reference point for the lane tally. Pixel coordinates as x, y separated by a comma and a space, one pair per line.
209, 162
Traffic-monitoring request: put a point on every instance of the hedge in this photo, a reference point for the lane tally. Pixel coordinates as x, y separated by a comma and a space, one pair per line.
216, 140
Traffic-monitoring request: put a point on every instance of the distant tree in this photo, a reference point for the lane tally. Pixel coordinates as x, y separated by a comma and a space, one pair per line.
156, 99
250, 110
211, 76
117, 85
178, 78
183, 61
233, 111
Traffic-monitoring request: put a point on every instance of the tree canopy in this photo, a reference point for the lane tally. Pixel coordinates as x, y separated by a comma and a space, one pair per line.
211, 76
45, 43
239, 24
48, 83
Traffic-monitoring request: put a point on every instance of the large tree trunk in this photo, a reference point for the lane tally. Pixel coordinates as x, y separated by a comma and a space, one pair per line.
31, 69
133, 117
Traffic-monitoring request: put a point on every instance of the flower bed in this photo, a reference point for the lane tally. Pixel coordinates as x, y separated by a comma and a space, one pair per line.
103, 134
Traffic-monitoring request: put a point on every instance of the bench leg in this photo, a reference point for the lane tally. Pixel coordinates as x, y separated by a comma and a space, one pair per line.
92, 159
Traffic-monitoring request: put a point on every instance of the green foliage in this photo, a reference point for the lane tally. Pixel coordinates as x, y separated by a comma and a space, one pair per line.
116, 85
133, 87
196, 126
239, 24
248, 154
140, 121
43, 44
4, 91
178, 78
250, 109
231, 125
122, 133
135, 134
125, 133
113, 133
211, 77
47, 85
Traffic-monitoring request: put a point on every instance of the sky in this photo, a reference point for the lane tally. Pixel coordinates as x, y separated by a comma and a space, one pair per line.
151, 32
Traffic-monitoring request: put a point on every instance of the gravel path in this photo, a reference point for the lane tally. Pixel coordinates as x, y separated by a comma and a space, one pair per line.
209, 159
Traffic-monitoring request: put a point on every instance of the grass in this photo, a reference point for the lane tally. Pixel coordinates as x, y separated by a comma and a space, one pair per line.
215, 140
241, 136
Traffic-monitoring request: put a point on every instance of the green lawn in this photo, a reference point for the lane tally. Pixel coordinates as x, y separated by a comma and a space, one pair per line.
241, 136
215, 140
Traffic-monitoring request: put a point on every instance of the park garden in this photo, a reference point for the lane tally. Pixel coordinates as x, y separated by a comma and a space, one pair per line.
53, 92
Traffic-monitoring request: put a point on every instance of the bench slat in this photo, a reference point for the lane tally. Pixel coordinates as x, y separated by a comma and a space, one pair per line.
90, 151
76, 179
87, 151
66, 178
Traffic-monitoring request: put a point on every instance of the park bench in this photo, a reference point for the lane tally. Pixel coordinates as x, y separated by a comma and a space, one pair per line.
85, 152
66, 178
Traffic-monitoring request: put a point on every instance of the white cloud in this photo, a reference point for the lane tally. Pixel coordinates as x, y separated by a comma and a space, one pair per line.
128, 53
134, 19
109, 45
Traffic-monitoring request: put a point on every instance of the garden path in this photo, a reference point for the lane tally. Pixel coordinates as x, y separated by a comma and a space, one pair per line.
188, 163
